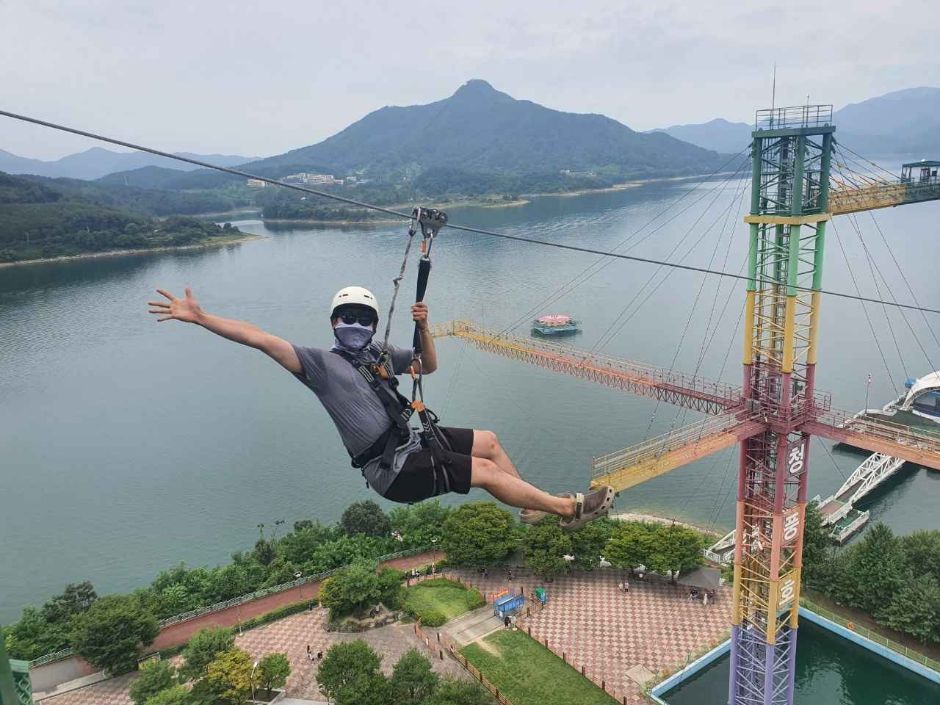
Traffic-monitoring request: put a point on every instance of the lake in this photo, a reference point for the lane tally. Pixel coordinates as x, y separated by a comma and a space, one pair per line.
128, 446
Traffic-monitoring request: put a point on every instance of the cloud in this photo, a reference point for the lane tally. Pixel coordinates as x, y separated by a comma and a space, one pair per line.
261, 78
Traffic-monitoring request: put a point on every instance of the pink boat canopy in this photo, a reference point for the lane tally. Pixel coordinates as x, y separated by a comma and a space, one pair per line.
557, 319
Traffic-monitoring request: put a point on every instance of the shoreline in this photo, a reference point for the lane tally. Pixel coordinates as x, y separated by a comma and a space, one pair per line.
522, 200
656, 519
215, 242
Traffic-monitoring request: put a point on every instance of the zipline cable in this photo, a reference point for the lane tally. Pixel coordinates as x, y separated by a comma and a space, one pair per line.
454, 226
597, 265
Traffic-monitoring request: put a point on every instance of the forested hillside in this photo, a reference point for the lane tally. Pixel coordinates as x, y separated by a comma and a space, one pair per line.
50, 220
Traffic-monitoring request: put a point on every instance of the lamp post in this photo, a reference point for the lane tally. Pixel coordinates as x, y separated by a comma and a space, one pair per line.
252, 679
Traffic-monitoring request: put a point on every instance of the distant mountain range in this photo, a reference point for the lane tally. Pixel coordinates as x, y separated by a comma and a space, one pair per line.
97, 162
905, 122
478, 135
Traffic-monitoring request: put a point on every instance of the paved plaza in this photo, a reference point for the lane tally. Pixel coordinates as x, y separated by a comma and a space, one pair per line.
290, 636
593, 624
651, 629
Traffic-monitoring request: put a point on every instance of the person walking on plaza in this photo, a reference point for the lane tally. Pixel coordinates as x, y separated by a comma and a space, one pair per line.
353, 380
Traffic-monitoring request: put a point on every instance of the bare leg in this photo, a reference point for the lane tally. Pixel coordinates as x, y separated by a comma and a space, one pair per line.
515, 491
486, 445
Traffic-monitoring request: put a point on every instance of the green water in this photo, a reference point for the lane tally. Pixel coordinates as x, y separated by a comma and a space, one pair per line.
830, 670
127, 446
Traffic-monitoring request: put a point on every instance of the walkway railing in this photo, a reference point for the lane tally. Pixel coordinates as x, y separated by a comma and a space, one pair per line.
915, 656
688, 391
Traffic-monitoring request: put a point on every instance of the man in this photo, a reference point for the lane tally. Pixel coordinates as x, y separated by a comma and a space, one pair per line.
394, 460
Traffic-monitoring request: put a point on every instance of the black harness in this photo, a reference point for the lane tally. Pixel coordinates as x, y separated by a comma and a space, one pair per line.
398, 408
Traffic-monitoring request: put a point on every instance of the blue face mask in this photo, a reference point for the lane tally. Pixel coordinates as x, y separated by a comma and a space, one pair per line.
353, 336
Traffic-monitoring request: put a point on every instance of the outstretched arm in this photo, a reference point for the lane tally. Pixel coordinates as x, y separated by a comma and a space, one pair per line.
187, 309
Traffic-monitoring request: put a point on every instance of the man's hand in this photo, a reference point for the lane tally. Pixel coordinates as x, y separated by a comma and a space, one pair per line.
185, 309
419, 314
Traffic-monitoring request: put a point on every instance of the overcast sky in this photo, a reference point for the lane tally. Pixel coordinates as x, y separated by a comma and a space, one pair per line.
259, 78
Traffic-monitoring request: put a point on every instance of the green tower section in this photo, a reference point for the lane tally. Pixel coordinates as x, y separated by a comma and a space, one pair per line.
15, 685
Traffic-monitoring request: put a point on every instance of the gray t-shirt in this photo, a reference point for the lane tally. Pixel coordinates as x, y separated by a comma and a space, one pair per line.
354, 407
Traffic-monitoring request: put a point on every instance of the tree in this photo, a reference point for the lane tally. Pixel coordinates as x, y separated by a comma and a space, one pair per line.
372, 689
817, 546
921, 551
298, 546
675, 548
365, 518
346, 664
479, 534
413, 680
391, 591
111, 632
915, 609
419, 524
589, 542
264, 551
76, 598
352, 589
877, 569
155, 677
453, 691
228, 677
33, 636
203, 649
273, 671
174, 695
544, 547
630, 544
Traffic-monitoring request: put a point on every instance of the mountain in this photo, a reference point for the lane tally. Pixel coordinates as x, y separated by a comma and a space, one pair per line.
97, 162
481, 130
903, 122
717, 134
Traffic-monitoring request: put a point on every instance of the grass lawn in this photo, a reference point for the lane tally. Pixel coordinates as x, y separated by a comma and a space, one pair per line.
529, 674
439, 600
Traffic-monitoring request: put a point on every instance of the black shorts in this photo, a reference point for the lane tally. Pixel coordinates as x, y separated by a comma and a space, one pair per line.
422, 476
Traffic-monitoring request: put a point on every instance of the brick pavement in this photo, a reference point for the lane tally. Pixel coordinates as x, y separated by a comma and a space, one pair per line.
289, 636
593, 624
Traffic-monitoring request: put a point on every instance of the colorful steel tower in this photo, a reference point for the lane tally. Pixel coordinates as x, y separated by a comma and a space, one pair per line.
789, 202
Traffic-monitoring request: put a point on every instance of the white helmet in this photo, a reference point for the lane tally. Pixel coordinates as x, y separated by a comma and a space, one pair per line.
354, 296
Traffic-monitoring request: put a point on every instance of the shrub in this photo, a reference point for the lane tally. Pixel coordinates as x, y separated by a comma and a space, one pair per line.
433, 618
155, 676
277, 614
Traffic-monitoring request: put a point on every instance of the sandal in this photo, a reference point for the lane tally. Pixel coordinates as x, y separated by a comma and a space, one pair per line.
589, 507
534, 516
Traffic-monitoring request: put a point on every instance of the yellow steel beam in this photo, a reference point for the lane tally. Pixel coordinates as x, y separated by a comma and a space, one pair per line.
810, 219
645, 466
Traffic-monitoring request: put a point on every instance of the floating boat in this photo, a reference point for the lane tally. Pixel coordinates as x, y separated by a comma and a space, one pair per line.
555, 325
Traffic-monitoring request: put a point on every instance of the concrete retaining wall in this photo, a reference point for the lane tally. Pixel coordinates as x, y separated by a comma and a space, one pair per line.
49, 676
890, 654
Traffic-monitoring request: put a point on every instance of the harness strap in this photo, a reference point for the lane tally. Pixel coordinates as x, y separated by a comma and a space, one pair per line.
396, 406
